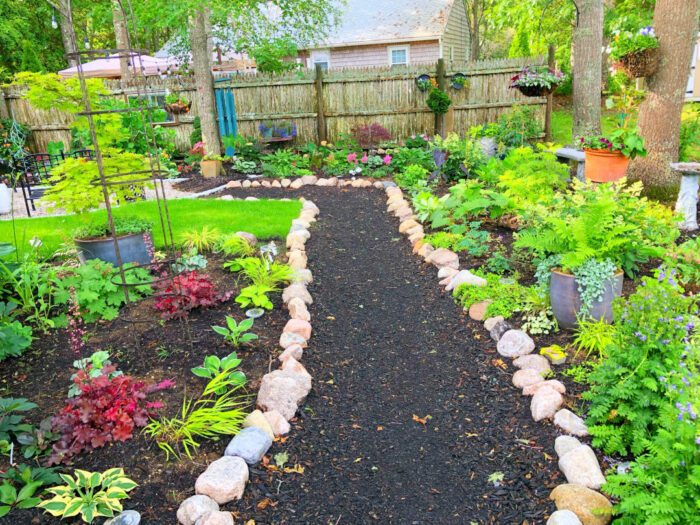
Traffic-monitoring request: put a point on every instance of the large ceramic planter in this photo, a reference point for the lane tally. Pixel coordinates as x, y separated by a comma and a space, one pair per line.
132, 249
603, 165
566, 299
210, 168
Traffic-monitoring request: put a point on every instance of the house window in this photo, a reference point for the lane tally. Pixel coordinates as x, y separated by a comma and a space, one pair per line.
320, 57
398, 55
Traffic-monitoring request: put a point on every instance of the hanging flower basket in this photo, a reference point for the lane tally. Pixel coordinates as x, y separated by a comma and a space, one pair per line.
423, 82
177, 108
537, 81
638, 64
535, 91
459, 81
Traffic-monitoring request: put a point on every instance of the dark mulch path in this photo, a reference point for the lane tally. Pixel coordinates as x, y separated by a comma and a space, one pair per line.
390, 347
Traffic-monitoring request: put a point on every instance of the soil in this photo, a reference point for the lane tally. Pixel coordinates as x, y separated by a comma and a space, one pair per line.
412, 409
43, 376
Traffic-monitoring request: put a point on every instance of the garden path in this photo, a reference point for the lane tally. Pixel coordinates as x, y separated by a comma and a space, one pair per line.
411, 409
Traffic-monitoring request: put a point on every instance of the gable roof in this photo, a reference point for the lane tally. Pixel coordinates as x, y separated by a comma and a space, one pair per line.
383, 21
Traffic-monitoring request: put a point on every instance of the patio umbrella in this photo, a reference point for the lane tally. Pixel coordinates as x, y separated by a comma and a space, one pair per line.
109, 67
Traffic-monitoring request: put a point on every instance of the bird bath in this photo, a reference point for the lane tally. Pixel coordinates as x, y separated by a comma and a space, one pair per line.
687, 203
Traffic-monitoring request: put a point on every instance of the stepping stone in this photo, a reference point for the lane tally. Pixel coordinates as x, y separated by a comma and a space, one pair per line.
194, 508
251, 444
570, 422
224, 480
515, 343
581, 501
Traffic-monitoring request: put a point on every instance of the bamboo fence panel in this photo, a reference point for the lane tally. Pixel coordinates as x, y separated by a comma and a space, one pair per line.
386, 95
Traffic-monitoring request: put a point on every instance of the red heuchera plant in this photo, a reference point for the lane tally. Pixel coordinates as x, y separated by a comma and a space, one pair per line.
369, 135
189, 291
105, 410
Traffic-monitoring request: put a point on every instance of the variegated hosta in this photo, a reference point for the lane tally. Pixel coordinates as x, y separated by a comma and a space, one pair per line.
89, 494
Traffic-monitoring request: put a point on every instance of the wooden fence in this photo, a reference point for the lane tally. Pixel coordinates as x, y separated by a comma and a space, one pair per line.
323, 105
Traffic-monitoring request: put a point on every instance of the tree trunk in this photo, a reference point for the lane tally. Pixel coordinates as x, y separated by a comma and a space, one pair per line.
675, 24
474, 50
587, 57
122, 40
62, 8
201, 64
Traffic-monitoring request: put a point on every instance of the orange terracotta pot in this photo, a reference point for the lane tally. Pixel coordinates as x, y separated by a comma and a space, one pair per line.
605, 166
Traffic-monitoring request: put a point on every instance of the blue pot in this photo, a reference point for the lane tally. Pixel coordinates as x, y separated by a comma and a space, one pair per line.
566, 299
132, 249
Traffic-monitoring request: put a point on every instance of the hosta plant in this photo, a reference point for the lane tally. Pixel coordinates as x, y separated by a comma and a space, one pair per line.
89, 494
236, 333
213, 366
255, 295
20, 485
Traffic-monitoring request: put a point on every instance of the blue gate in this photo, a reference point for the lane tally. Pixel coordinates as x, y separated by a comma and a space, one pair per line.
227, 112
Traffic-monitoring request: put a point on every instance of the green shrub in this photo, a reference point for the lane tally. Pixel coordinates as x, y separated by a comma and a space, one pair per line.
438, 101
411, 177
14, 337
507, 295
122, 226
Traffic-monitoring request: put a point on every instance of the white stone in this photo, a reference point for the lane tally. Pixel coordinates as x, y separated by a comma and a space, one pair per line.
309, 179
563, 517
296, 260
299, 230
570, 422
285, 183
257, 419
279, 425
216, 517
298, 310
545, 403
565, 444
533, 361
251, 198
322, 182
580, 466
296, 184
296, 290
310, 206
515, 343
302, 224
303, 276
443, 257
445, 272
194, 508
224, 480
464, 277
226, 198
550, 383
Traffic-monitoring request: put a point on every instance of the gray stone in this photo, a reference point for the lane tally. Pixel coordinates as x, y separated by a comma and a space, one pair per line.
565, 444
300, 230
492, 321
515, 343
250, 444
224, 480
216, 517
388, 184
128, 517
570, 422
194, 508
563, 517
580, 466
500, 328
623, 468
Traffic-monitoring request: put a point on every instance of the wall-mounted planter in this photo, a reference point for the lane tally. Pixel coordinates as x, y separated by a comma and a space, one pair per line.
423, 82
459, 81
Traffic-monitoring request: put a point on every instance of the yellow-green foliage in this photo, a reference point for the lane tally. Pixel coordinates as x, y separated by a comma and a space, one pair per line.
203, 240
72, 190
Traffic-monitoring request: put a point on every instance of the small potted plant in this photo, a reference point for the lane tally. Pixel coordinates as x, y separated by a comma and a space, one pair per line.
211, 166
537, 81
635, 53
176, 104
459, 81
286, 129
267, 128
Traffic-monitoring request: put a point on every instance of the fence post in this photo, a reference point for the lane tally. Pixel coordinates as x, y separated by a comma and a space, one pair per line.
550, 97
440, 119
4, 112
320, 110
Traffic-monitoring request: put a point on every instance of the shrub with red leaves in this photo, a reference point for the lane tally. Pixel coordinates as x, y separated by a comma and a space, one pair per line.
187, 292
368, 136
105, 410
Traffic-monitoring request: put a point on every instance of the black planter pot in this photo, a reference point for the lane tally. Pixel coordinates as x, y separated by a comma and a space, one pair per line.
132, 249
566, 299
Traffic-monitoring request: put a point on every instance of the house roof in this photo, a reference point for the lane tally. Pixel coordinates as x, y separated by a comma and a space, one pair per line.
380, 21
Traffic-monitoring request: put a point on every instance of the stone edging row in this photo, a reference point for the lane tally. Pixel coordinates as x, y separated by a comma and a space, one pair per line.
281, 392
578, 462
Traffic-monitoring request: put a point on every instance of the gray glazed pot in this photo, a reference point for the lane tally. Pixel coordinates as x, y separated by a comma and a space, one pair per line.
566, 299
132, 249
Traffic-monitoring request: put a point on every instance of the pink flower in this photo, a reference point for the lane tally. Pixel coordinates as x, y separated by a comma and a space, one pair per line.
364, 158
387, 160
352, 157
156, 404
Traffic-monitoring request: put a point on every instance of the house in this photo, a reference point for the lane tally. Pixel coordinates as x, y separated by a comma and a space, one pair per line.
693, 90
393, 32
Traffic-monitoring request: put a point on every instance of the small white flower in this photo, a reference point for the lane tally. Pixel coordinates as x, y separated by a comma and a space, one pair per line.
35, 242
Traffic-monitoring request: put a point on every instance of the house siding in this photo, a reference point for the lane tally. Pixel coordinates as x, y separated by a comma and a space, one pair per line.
378, 55
456, 34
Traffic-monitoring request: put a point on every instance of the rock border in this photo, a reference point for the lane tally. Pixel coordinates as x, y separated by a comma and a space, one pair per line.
281, 393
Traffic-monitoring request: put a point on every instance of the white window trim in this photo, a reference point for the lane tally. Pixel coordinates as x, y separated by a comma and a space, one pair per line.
325, 56
406, 48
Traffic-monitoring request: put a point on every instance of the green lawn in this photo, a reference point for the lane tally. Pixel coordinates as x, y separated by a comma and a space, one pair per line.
562, 121
264, 218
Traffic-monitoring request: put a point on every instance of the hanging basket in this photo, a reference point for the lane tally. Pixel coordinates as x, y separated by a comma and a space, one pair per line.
423, 82
177, 108
639, 64
459, 81
535, 91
